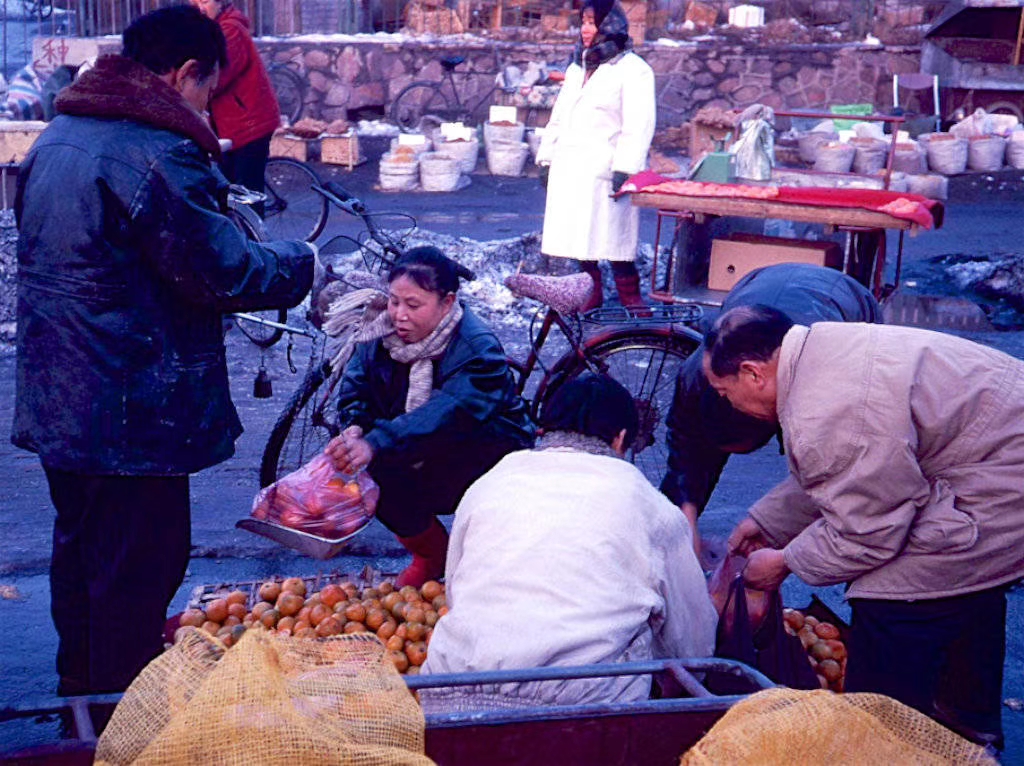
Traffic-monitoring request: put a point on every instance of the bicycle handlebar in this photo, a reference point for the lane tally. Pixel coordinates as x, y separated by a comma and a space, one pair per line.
338, 195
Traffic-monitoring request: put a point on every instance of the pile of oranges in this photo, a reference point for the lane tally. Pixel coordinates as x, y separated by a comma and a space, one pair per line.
403, 618
825, 651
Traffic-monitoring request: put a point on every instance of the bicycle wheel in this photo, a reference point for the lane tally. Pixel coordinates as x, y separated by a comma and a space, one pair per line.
259, 334
290, 89
301, 432
293, 209
416, 100
646, 362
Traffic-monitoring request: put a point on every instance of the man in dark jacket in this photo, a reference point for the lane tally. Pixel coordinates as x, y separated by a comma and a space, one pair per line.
703, 428
126, 264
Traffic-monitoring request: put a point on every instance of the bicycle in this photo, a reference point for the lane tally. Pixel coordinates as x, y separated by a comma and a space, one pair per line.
290, 88
293, 209
641, 352
428, 98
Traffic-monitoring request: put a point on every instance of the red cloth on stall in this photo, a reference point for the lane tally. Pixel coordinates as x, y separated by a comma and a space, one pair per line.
910, 207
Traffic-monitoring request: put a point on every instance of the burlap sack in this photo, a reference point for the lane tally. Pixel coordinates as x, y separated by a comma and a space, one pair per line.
783, 726
268, 700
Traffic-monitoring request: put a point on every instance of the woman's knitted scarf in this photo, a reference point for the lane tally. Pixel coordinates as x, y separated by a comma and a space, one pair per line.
612, 39
420, 356
361, 316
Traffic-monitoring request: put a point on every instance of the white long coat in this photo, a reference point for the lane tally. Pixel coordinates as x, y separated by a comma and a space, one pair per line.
595, 129
559, 557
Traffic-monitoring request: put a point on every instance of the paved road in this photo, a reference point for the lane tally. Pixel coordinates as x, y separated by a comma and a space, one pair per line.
490, 208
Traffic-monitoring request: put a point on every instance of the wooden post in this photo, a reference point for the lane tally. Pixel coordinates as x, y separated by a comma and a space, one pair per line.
1020, 34
499, 7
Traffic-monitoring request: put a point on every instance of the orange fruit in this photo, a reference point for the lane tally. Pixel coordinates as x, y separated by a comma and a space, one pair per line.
389, 601
270, 618
387, 630
375, 618
330, 627
830, 669
260, 608
217, 610
231, 620
211, 627
415, 614
270, 590
237, 597
318, 614
399, 660
289, 604
409, 593
431, 589
838, 649
440, 601
415, 631
300, 625
332, 594
430, 618
385, 587
416, 652
395, 644
356, 612
193, 618
305, 633
236, 610
295, 585
369, 593
286, 623
442, 611
354, 626
402, 631
826, 630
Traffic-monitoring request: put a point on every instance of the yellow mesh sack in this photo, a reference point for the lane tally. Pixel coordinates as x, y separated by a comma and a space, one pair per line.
784, 726
268, 700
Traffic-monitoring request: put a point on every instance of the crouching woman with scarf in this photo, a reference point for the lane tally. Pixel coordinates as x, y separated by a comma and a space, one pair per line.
430, 407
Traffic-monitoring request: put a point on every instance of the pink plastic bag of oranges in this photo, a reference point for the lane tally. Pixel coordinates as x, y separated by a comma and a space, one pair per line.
319, 500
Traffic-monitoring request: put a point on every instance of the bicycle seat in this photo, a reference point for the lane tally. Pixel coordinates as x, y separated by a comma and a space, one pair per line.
566, 295
449, 63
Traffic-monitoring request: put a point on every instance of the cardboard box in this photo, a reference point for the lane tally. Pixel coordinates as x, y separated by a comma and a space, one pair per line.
734, 258
16, 138
341, 150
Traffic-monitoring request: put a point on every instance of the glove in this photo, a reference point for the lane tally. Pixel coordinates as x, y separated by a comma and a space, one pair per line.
542, 175
618, 178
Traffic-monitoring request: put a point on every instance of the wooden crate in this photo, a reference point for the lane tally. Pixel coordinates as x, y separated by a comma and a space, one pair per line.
283, 145
16, 138
341, 150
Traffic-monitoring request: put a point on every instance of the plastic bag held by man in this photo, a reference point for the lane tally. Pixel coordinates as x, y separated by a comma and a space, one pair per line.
319, 500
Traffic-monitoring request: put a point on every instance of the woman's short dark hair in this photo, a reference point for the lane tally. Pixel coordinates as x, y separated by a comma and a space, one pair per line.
592, 405
164, 39
430, 270
745, 333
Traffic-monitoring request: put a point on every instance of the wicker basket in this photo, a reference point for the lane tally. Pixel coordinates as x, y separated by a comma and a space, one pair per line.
503, 133
466, 152
399, 174
439, 172
910, 157
507, 159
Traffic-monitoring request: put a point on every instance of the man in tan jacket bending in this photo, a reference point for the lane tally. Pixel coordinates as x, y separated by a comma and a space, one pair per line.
906, 457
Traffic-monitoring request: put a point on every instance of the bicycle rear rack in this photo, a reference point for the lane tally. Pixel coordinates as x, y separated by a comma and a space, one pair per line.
677, 313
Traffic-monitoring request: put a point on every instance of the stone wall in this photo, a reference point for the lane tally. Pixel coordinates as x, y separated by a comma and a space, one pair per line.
347, 73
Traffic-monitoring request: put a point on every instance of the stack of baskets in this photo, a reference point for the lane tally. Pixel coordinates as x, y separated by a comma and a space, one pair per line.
506, 150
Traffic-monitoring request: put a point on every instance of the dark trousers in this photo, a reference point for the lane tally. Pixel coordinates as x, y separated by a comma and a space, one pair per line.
120, 549
412, 493
941, 656
247, 164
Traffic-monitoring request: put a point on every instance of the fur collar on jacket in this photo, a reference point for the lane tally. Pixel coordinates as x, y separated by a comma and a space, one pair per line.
119, 88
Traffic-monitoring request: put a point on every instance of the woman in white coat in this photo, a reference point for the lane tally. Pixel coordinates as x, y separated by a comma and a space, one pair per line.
599, 133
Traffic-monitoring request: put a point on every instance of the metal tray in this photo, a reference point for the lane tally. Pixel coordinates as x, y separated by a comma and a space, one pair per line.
313, 546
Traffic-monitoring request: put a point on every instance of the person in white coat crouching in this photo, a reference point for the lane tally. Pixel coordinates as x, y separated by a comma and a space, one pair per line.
598, 136
566, 555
